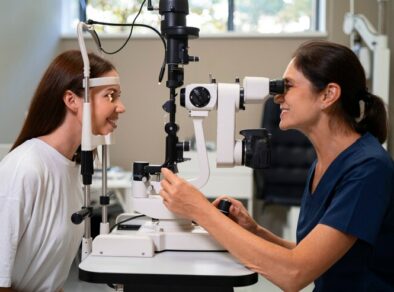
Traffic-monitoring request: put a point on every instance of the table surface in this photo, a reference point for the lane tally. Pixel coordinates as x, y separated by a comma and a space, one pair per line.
186, 268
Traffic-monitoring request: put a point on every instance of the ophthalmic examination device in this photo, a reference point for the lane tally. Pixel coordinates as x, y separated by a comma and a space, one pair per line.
165, 230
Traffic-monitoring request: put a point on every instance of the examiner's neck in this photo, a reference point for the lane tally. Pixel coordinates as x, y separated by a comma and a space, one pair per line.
329, 145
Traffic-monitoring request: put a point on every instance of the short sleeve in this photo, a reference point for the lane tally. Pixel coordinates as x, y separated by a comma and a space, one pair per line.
12, 225
18, 186
361, 200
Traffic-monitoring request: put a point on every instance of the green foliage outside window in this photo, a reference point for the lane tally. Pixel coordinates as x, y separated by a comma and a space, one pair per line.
211, 16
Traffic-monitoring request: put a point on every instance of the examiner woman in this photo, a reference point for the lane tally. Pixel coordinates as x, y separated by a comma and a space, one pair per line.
345, 233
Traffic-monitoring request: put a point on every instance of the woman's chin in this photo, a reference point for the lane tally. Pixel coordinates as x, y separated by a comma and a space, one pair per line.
283, 126
103, 132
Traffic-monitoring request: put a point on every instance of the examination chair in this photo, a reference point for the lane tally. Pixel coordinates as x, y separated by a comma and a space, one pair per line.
291, 156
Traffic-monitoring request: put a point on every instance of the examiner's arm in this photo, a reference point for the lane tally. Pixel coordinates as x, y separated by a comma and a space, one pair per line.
240, 215
290, 269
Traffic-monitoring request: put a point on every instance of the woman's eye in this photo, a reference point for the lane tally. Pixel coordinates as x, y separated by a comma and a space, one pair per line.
288, 86
110, 96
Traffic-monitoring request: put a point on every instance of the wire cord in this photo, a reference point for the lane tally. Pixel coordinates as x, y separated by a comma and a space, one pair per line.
125, 220
132, 25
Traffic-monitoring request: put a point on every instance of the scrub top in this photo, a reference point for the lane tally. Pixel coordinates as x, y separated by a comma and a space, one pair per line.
355, 196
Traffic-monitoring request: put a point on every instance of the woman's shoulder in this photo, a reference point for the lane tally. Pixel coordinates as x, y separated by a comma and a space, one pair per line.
23, 161
27, 150
22, 175
371, 149
365, 159
368, 149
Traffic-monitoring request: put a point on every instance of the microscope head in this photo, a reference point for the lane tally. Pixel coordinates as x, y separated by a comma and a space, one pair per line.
228, 98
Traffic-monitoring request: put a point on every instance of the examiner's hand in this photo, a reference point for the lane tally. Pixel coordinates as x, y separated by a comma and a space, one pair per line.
181, 197
239, 214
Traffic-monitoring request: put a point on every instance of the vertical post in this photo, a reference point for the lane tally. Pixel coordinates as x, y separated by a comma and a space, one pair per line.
353, 33
230, 19
382, 7
82, 10
104, 208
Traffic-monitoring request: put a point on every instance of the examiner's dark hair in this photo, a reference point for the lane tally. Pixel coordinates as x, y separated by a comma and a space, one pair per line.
47, 109
324, 62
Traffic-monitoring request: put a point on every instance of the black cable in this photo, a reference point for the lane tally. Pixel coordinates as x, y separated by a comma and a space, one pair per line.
90, 21
131, 32
97, 39
125, 220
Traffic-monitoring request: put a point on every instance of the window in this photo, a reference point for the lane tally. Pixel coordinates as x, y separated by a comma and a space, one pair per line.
211, 16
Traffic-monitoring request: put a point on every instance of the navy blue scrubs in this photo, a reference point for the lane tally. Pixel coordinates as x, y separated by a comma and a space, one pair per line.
355, 196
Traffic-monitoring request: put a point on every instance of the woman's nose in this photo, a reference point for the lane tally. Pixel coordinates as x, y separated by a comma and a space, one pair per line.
120, 108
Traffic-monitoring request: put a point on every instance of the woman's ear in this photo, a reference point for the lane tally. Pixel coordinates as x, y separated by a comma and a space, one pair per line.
72, 101
330, 95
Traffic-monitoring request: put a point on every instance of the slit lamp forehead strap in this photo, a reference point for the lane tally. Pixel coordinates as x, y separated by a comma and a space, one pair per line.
102, 81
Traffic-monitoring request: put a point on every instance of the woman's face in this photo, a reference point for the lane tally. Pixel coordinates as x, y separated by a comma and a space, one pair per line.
106, 106
300, 107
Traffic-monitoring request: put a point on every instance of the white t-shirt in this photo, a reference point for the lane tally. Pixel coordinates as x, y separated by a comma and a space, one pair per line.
39, 190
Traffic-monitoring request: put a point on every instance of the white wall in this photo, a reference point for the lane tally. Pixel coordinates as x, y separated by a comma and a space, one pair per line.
29, 36
141, 136
28, 46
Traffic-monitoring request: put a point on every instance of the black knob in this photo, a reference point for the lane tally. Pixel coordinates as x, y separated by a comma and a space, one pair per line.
200, 96
79, 216
224, 206
186, 145
139, 171
194, 59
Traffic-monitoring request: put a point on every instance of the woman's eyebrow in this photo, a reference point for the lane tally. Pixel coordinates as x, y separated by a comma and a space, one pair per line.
287, 80
114, 89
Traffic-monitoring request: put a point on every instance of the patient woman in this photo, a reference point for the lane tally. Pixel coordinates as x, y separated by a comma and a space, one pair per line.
345, 233
40, 184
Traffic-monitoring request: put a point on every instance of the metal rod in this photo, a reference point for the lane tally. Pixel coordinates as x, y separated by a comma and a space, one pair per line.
353, 34
104, 208
86, 202
351, 4
230, 18
382, 16
86, 97
172, 98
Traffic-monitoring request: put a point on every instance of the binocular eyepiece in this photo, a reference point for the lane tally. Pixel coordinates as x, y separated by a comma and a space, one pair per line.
277, 86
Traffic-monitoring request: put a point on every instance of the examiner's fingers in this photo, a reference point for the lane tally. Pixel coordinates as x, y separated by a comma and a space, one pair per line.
226, 197
234, 210
164, 195
218, 199
234, 202
165, 185
169, 175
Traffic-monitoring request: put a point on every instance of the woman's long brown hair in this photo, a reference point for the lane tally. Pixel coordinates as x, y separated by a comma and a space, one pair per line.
47, 109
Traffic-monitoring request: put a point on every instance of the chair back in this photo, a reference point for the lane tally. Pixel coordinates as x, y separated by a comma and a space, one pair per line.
291, 157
